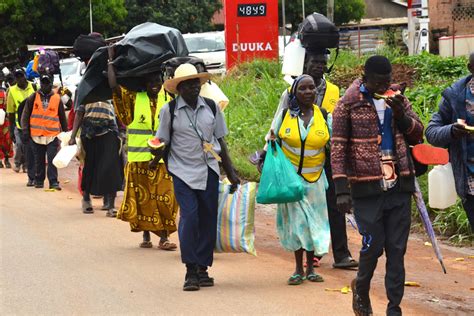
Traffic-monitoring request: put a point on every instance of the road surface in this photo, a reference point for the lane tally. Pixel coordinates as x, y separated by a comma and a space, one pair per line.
56, 260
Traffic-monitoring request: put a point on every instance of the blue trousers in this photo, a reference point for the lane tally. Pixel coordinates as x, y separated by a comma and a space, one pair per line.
198, 220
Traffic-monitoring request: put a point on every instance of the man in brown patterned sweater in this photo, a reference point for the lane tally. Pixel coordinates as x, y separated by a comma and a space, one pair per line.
374, 173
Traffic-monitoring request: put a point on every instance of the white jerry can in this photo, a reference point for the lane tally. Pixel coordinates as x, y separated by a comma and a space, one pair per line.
2, 116
64, 156
293, 60
212, 91
441, 188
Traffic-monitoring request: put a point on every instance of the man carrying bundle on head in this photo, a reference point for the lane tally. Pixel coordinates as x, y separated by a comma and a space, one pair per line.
327, 95
373, 172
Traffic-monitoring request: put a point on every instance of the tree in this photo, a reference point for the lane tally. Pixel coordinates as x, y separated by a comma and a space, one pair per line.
55, 22
344, 11
185, 15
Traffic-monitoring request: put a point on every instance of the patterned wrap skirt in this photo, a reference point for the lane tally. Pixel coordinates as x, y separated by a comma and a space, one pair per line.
149, 203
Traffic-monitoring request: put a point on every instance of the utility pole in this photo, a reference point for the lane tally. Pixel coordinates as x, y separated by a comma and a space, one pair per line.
283, 15
90, 14
304, 14
330, 10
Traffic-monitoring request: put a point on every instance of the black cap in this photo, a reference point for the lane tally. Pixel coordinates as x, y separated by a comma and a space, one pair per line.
19, 72
46, 77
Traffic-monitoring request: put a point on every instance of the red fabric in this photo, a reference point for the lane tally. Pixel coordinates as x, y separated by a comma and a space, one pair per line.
6, 145
70, 118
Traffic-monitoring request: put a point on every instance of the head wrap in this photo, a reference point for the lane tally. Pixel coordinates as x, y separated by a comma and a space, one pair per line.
292, 101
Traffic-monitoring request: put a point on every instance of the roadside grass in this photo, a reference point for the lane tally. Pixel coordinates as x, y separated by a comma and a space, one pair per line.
254, 90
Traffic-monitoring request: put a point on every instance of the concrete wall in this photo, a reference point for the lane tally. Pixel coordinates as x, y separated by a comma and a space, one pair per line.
384, 9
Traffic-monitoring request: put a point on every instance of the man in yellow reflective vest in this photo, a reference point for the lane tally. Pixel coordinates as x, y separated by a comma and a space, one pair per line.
149, 204
17, 94
327, 95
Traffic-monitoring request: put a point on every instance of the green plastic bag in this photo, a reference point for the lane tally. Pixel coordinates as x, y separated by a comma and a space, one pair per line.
279, 182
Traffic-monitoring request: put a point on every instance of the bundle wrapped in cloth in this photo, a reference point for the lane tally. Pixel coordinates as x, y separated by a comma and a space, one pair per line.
142, 51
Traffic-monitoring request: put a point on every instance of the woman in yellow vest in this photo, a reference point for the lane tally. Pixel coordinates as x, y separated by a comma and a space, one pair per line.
303, 133
149, 204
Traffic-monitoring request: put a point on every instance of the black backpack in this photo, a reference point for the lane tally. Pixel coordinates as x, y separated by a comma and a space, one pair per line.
86, 45
169, 66
318, 32
172, 107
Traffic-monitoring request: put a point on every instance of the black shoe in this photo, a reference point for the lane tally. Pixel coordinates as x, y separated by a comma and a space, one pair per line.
30, 183
1, 165
8, 165
204, 279
360, 306
55, 186
39, 185
191, 281
23, 168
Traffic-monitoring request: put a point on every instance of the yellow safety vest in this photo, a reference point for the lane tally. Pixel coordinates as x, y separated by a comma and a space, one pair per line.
331, 96
18, 96
142, 129
307, 156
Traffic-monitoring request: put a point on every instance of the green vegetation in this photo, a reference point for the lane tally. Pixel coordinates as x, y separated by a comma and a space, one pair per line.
254, 90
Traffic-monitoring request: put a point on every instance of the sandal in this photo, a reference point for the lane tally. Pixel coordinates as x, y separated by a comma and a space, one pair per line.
167, 245
146, 244
314, 277
295, 279
346, 263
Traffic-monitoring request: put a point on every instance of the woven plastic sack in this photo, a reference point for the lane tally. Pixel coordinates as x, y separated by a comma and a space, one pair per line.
235, 219
279, 182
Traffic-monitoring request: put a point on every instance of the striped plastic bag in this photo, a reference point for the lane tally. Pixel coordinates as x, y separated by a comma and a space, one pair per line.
235, 219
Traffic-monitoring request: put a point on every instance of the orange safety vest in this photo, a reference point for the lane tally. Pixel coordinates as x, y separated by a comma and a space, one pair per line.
45, 122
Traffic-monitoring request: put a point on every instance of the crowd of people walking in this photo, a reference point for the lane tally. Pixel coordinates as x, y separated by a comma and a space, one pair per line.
352, 153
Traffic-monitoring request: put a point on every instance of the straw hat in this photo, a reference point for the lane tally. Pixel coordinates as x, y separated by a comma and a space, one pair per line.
182, 73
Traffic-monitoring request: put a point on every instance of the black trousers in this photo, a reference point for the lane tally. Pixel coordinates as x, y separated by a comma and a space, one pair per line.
40, 152
468, 206
337, 221
384, 223
197, 220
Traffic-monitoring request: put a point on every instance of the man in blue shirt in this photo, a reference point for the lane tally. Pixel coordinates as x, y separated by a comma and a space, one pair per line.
445, 131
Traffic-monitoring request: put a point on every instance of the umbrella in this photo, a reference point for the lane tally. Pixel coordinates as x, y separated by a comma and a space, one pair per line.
420, 204
142, 51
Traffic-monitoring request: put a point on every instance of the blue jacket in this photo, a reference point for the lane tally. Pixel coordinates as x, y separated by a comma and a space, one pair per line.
439, 133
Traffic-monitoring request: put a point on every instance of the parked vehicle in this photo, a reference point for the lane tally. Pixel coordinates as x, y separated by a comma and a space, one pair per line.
210, 47
72, 70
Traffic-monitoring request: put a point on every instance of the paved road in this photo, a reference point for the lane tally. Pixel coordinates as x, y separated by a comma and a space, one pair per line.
55, 260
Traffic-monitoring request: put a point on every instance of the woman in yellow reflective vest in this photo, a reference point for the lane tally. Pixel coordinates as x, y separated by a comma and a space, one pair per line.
149, 204
303, 133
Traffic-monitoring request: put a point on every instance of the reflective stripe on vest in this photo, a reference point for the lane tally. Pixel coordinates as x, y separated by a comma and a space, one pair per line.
307, 156
331, 96
143, 127
45, 122
18, 96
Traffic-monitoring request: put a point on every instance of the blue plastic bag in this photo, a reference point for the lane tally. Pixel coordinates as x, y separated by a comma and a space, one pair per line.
279, 182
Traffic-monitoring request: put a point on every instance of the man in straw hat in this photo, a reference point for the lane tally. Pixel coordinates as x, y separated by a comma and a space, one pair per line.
193, 130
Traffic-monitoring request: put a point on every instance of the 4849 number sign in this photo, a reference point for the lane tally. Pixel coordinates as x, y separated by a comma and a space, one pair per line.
251, 10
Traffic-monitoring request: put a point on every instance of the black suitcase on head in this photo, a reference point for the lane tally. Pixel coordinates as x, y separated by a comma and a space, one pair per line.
317, 32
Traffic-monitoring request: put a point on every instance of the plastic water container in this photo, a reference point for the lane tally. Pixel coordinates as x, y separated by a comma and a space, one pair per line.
65, 137
2, 116
441, 188
293, 60
64, 156
213, 92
